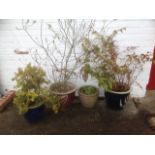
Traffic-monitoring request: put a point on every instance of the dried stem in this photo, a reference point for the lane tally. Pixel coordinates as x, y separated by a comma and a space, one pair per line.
61, 46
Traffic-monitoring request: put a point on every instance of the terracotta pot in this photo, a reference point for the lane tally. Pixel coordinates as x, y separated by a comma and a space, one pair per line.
116, 100
67, 98
88, 101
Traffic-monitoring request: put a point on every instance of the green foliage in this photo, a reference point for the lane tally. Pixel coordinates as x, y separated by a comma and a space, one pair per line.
30, 78
88, 90
31, 90
103, 61
52, 100
98, 52
24, 100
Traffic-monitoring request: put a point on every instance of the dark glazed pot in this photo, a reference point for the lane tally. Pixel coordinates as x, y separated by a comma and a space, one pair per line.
116, 100
35, 113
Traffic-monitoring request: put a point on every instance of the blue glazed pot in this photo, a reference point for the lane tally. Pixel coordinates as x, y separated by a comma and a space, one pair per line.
116, 100
35, 113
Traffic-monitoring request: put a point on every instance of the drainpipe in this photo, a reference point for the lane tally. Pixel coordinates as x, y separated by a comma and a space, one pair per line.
151, 83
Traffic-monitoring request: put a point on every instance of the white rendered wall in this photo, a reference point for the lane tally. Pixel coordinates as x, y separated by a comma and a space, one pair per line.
139, 33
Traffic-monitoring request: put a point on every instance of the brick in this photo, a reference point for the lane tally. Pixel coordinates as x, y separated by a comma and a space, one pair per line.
6, 99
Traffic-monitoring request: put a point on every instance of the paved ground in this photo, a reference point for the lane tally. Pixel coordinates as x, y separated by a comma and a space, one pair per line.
147, 102
78, 120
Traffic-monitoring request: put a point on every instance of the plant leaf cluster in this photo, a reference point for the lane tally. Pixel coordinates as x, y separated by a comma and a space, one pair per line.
32, 91
89, 90
103, 61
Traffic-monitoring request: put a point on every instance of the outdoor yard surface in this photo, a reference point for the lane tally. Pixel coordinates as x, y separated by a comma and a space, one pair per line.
77, 120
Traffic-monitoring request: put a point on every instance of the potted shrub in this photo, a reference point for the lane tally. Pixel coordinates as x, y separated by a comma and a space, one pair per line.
115, 71
66, 91
59, 52
32, 95
88, 96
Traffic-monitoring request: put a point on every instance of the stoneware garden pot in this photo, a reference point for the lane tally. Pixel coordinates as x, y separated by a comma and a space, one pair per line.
116, 100
35, 113
67, 98
88, 101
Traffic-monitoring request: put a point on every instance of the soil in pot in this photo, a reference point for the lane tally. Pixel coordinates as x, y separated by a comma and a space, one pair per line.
66, 93
116, 100
88, 96
35, 113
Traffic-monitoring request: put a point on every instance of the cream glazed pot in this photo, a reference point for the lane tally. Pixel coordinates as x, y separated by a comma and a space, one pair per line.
88, 101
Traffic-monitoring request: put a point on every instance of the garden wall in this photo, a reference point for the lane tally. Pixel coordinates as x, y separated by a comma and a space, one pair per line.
139, 33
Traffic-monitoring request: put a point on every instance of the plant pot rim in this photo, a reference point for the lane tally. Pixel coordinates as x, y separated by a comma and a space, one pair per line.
66, 93
117, 92
36, 105
97, 91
